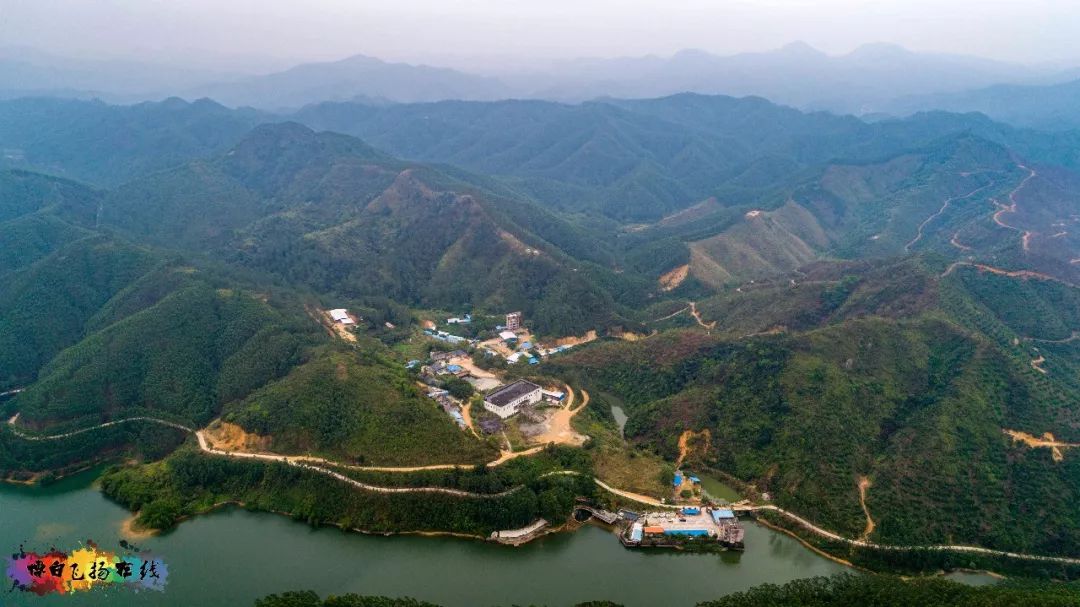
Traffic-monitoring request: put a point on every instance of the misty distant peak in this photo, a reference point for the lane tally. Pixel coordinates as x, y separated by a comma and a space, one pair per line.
879, 51
800, 48
692, 54
360, 60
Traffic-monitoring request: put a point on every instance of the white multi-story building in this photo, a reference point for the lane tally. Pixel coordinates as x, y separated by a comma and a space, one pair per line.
507, 400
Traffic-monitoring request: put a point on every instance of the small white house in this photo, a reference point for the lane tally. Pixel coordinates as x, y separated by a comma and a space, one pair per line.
508, 399
508, 335
341, 315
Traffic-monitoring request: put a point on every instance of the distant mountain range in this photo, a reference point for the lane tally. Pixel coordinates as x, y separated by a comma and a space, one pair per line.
1048, 107
869, 79
637, 168
30, 72
796, 74
350, 79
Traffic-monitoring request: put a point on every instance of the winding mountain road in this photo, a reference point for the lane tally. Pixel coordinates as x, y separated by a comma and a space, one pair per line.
1011, 208
672, 315
299, 462
694, 312
743, 507
1075, 336
1022, 274
944, 207
899, 548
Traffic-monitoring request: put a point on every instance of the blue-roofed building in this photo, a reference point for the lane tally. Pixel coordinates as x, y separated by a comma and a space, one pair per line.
691, 510
526, 345
453, 368
723, 515
694, 479
533, 361
678, 479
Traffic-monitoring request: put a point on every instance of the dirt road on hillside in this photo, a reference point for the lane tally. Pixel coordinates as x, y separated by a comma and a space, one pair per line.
944, 207
1025, 239
643, 499
864, 486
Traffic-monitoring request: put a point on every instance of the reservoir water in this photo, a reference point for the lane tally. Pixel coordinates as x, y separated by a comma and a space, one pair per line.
717, 489
233, 556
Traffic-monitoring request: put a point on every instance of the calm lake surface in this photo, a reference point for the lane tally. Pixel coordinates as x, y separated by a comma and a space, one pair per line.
718, 489
232, 557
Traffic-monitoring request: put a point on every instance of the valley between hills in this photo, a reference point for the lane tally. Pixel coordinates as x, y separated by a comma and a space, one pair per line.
865, 329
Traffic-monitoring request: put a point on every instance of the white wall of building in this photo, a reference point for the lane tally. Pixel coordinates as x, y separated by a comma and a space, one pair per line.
512, 407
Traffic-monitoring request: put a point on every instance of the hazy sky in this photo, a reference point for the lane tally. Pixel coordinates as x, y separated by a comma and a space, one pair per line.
460, 32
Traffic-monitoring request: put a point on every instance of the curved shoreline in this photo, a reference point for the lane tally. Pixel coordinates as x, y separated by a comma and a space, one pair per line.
814, 529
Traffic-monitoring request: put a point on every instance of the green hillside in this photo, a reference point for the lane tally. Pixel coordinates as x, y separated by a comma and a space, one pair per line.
842, 590
39, 214
857, 383
45, 307
197, 348
896, 592
356, 410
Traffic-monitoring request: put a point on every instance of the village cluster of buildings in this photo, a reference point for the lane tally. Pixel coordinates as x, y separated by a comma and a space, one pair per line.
442, 363
513, 347
504, 401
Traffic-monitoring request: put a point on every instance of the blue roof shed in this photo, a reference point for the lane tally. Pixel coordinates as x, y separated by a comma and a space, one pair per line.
721, 514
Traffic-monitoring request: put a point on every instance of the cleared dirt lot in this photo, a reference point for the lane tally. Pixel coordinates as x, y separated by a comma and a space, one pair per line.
554, 426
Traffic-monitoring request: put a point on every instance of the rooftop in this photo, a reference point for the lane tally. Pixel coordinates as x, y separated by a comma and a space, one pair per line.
510, 392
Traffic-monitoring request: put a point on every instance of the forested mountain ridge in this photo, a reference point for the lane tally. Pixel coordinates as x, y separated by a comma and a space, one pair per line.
106, 144
638, 160
327, 211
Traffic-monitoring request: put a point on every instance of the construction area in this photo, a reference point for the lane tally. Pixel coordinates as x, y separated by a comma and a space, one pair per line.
688, 526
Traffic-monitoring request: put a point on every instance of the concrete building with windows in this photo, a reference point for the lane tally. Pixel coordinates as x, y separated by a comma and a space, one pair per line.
507, 400
513, 321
